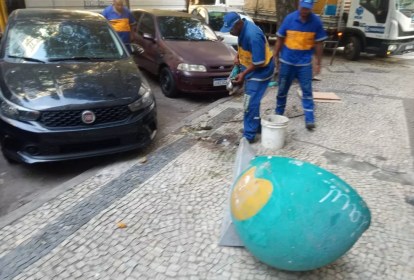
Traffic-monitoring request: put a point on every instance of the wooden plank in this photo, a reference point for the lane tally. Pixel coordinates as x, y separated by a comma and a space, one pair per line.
323, 96
326, 101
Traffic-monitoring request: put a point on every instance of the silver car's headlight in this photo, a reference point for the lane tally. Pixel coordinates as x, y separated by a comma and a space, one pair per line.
13, 111
191, 67
147, 99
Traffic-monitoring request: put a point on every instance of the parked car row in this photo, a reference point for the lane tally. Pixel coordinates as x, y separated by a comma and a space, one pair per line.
69, 89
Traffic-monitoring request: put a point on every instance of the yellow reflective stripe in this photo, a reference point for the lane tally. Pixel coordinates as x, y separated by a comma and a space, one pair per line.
245, 57
298, 40
121, 25
3, 16
269, 54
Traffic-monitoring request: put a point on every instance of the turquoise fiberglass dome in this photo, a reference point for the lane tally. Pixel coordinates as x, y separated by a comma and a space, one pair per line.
294, 215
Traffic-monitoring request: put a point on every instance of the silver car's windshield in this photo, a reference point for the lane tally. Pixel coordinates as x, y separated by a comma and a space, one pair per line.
185, 29
54, 41
402, 5
216, 19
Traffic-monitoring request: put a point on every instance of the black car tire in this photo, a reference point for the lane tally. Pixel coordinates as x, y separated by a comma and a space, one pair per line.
10, 160
382, 55
352, 48
167, 83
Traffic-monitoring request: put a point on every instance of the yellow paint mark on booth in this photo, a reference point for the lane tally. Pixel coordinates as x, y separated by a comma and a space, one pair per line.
250, 195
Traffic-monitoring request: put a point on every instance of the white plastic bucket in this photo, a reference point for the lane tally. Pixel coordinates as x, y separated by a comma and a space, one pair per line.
274, 130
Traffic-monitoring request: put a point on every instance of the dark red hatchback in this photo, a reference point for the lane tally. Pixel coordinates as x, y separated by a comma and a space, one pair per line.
184, 52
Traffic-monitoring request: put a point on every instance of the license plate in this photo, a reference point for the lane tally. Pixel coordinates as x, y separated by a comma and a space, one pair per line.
409, 47
219, 82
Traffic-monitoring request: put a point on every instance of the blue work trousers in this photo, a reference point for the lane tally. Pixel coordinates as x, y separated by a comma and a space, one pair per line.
254, 92
287, 73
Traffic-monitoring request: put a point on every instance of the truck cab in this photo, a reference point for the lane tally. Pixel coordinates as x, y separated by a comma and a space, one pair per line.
381, 27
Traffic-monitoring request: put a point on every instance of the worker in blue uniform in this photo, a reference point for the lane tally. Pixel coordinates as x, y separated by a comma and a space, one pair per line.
299, 35
122, 21
256, 68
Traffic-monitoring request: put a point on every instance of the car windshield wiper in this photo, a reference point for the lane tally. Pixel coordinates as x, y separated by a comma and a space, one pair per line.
27, 58
175, 38
202, 39
78, 58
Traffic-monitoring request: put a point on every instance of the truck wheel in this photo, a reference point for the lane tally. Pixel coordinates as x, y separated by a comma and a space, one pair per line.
352, 48
167, 83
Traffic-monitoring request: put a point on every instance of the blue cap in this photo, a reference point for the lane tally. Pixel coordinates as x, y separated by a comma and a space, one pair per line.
308, 4
230, 20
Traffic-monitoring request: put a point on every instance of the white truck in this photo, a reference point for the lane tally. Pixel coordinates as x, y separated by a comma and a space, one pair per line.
263, 13
8, 6
381, 27
228, 3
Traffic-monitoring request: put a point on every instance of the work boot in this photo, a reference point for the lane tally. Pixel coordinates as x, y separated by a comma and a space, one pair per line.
250, 141
259, 131
310, 126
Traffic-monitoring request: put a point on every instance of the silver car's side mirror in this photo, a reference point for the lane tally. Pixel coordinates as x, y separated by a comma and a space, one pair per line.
136, 49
